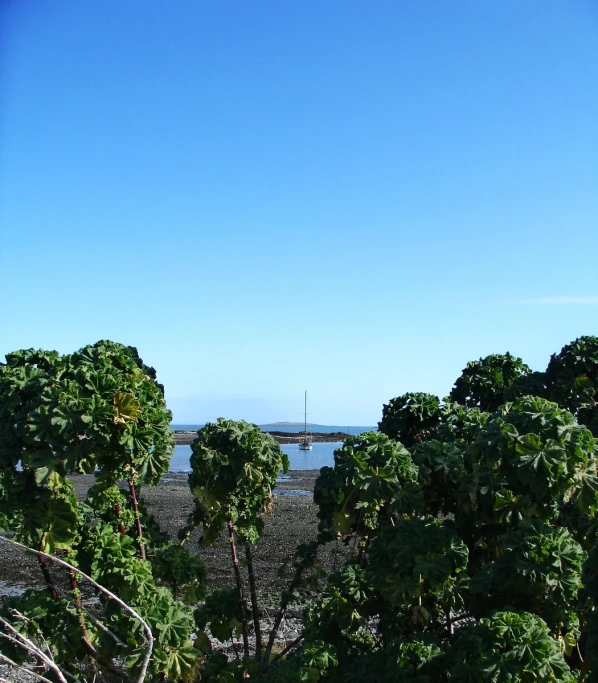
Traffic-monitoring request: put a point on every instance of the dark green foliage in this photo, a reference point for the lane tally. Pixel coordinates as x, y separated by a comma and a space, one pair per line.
181, 571
220, 612
534, 384
420, 659
76, 412
531, 461
44, 615
410, 418
483, 382
460, 424
317, 657
572, 377
339, 615
590, 593
414, 565
314, 661
234, 468
538, 569
508, 646
99, 409
441, 470
373, 479
512, 495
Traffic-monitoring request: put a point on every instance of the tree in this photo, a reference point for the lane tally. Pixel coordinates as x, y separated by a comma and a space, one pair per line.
97, 410
534, 384
410, 418
483, 382
234, 466
590, 593
494, 541
372, 477
572, 378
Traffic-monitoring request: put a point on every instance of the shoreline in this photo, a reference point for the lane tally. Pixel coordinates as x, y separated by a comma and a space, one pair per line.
292, 521
183, 438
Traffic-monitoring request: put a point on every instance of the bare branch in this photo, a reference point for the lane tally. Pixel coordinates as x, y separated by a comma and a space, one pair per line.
27, 644
18, 667
44, 644
95, 620
110, 594
290, 646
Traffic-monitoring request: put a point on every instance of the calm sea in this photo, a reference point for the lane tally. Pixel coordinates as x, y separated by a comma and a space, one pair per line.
321, 455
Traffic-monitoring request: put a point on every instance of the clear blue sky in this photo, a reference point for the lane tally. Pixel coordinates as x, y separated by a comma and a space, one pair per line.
347, 197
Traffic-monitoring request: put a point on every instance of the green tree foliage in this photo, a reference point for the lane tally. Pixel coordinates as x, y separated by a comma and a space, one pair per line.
410, 418
97, 410
590, 593
234, 466
509, 646
372, 477
475, 574
572, 377
534, 384
483, 382
471, 528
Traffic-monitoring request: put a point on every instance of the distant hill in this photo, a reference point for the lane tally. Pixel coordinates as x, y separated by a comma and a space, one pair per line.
295, 427
294, 424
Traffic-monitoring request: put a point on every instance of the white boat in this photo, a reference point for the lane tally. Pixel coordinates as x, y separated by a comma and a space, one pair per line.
305, 444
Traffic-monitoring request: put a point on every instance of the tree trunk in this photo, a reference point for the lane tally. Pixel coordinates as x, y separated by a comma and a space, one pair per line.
233, 549
121, 528
47, 577
254, 605
133, 497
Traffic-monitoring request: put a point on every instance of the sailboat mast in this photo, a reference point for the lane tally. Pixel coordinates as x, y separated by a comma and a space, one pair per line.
305, 413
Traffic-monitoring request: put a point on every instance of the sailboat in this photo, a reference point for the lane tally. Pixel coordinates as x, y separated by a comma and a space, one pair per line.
305, 443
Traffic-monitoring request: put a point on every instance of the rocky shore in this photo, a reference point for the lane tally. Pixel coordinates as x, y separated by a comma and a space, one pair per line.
293, 521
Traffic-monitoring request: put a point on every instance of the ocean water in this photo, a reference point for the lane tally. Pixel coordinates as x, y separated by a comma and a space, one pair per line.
321, 455
294, 428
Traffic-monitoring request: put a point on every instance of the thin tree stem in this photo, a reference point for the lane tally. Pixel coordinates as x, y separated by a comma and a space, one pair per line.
363, 549
47, 577
80, 613
149, 638
254, 605
233, 549
121, 527
289, 647
135, 505
22, 641
284, 602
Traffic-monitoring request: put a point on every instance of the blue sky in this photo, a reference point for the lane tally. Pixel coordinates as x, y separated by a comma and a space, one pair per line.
352, 198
